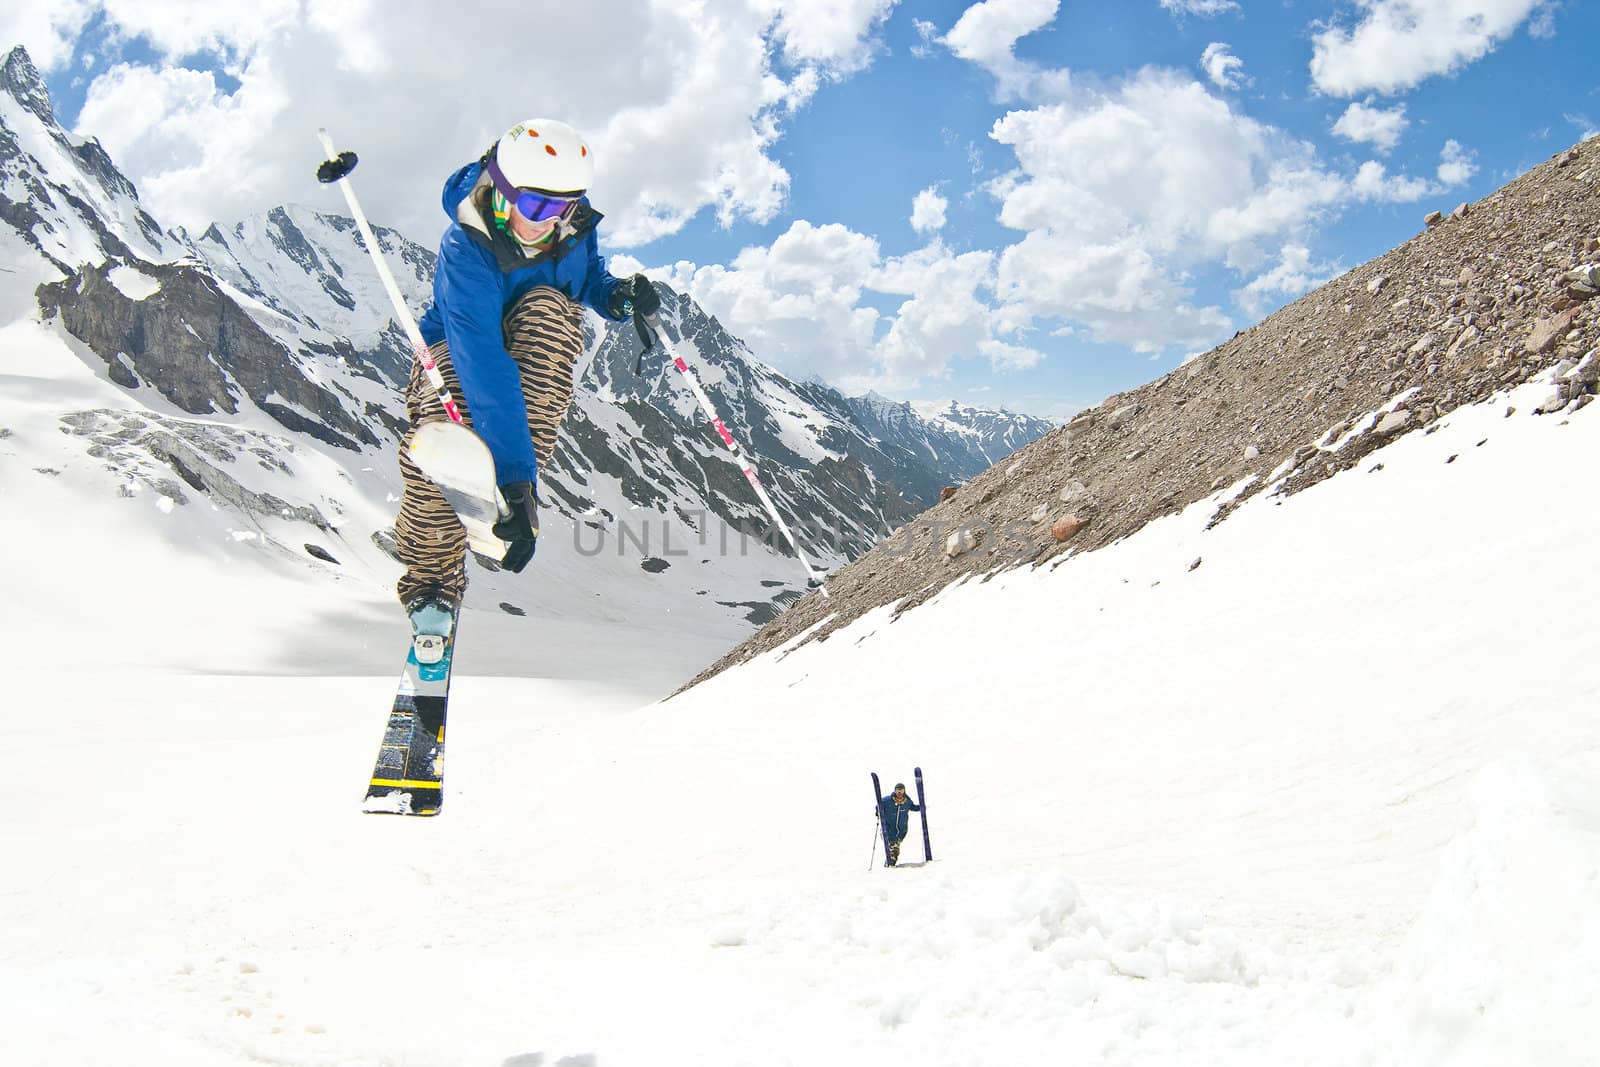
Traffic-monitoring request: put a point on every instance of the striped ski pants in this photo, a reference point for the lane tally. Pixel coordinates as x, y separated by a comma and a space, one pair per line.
544, 333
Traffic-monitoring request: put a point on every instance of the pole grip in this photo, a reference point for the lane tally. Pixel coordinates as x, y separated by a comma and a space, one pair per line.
647, 338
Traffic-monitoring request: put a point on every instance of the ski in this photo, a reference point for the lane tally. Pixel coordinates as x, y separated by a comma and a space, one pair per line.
877, 813
927, 849
457, 461
408, 777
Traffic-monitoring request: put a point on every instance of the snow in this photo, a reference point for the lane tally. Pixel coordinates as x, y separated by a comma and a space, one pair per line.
1505, 945
799, 423
133, 283
48, 151
1328, 798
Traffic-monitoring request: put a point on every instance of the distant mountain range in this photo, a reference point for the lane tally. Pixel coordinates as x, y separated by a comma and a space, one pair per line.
280, 320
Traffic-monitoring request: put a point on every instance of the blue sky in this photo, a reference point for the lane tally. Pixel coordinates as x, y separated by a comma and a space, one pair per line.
1105, 188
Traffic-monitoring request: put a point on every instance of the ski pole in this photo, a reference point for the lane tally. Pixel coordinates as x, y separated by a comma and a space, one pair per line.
872, 857
648, 333
336, 169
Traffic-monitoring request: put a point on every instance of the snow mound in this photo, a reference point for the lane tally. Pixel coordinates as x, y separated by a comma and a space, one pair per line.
1501, 961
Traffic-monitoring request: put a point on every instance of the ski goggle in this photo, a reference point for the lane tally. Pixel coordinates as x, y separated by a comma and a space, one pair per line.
532, 205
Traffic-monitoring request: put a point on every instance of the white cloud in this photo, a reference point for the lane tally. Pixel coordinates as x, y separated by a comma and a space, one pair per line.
45, 30
683, 120
1004, 356
1118, 290
178, 135
987, 34
836, 34
1456, 166
927, 210
1203, 8
1225, 69
1294, 275
927, 38
945, 318
796, 303
184, 27
1374, 183
800, 304
1143, 181
1400, 43
1372, 125
1123, 195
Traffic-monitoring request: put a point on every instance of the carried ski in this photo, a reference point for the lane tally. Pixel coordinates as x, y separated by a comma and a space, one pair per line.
927, 849
408, 778
877, 813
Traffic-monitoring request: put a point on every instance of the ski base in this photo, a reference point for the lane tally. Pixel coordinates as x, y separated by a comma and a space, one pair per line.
457, 461
408, 777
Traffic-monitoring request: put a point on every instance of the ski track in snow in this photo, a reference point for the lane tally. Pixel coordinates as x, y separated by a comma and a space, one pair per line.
1328, 798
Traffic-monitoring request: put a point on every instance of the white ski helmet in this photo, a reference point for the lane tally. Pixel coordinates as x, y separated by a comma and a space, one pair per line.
546, 155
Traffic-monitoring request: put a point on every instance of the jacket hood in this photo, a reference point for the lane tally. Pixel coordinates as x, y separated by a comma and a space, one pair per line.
459, 186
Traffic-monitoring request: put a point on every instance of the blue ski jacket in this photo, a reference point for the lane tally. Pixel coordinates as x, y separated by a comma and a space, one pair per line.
480, 274
896, 819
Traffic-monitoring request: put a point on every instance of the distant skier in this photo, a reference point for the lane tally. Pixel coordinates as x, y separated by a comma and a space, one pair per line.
505, 327
895, 810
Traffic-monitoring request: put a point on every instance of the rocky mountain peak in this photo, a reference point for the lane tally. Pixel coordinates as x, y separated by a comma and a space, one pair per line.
20, 78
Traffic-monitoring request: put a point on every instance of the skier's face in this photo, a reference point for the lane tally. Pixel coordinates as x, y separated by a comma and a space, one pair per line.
900, 794
531, 232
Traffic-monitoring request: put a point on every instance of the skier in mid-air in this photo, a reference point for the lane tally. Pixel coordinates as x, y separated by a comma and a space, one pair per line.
894, 811
518, 261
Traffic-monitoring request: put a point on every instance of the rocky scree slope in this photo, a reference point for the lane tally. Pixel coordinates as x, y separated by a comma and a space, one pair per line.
1485, 298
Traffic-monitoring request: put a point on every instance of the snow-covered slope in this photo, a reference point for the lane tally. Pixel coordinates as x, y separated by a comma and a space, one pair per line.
1326, 798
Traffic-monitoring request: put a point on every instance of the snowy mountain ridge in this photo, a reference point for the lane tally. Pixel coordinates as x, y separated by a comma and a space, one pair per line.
279, 324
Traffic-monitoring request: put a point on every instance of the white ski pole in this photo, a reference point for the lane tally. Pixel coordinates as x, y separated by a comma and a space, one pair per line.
468, 487
336, 168
648, 333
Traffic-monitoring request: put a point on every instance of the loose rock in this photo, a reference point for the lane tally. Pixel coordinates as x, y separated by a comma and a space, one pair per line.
960, 542
1392, 422
1546, 332
1066, 526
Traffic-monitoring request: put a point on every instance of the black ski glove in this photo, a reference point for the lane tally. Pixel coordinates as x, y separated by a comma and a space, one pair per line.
635, 295
520, 529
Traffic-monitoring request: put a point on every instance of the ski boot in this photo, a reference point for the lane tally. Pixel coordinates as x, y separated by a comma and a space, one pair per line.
433, 618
